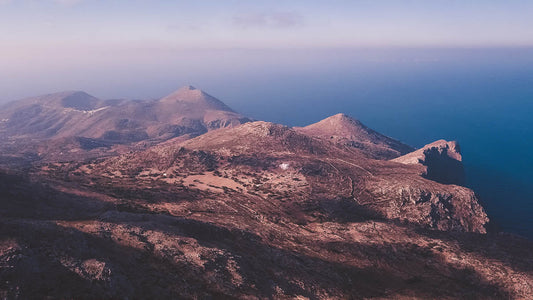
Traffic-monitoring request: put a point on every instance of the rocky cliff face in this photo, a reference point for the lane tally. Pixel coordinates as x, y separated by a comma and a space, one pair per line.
441, 161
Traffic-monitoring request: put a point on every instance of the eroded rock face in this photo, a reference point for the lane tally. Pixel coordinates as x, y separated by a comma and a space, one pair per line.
441, 159
448, 209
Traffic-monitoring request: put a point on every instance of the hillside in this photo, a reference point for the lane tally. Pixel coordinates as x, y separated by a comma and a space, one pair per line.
251, 211
345, 130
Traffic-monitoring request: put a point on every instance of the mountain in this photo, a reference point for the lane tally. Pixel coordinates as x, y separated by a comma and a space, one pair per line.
185, 113
198, 99
345, 130
49, 115
73, 236
260, 138
251, 211
265, 148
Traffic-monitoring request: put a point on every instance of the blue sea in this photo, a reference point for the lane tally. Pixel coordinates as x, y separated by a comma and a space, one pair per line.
483, 98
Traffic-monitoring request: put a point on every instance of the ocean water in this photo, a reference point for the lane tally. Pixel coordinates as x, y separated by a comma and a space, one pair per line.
483, 98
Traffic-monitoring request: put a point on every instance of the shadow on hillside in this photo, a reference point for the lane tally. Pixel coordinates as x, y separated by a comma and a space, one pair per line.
396, 268
50, 262
49, 259
140, 273
346, 210
501, 246
22, 198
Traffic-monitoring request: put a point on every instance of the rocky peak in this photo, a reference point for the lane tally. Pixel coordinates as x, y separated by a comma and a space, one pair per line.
343, 129
190, 94
79, 100
338, 125
441, 160
260, 137
341, 117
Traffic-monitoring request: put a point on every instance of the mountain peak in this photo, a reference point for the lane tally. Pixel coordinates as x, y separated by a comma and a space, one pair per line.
190, 94
339, 125
79, 100
78, 93
62, 95
186, 93
340, 116
188, 88
342, 120
346, 130
67, 99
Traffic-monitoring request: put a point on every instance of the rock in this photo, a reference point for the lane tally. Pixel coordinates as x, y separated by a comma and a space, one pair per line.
441, 161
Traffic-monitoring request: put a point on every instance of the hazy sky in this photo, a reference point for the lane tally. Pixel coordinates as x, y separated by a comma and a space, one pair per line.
234, 23
61, 39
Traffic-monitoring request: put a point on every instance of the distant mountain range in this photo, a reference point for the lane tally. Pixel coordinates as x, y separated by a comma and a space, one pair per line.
74, 123
184, 198
187, 111
71, 124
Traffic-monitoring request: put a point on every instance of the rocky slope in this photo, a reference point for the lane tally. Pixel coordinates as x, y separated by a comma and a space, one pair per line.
176, 222
385, 189
346, 130
254, 211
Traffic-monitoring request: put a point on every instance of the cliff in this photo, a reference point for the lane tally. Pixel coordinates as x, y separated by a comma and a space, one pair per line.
441, 161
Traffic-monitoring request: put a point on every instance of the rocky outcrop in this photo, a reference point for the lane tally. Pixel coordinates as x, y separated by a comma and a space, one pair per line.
441, 161
447, 208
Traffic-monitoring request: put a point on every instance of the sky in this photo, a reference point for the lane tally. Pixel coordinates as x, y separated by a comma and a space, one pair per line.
50, 44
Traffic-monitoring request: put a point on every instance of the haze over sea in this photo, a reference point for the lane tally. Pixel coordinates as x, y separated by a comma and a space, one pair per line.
481, 97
